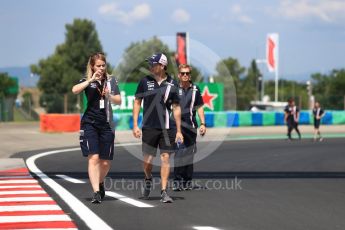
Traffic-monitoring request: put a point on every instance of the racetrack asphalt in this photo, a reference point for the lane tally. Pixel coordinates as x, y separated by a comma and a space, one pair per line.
252, 184
26, 136
285, 185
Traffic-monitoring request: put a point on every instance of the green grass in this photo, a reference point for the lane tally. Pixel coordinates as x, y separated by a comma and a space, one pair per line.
18, 116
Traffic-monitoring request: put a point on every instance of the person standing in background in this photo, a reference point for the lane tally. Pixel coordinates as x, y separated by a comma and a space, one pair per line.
291, 118
318, 113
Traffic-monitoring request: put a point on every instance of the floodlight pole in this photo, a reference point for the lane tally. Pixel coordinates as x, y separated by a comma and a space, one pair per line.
187, 50
261, 61
276, 85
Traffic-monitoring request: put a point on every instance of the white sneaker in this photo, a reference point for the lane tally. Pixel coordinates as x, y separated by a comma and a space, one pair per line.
165, 198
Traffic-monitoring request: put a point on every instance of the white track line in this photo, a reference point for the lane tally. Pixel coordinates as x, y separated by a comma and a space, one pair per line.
12, 199
90, 218
70, 179
33, 218
12, 208
28, 181
22, 192
205, 228
128, 200
20, 186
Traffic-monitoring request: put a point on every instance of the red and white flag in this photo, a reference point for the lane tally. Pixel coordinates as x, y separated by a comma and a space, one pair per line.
182, 52
272, 45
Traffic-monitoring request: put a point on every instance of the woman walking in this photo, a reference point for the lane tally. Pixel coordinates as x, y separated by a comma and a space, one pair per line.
96, 129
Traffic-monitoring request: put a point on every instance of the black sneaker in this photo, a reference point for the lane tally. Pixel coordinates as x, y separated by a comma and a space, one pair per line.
146, 188
177, 186
96, 198
165, 198
102, 190
188, 185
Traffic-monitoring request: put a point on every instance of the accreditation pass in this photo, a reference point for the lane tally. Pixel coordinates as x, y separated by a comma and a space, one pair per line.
101, 104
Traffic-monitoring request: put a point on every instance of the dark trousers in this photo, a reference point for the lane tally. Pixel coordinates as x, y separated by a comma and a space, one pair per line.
183, 169
293, 125
184, 157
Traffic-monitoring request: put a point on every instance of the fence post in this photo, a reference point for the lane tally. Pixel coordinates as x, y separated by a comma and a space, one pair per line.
1, 118
300, 102
30, 107
65, 103
78, 103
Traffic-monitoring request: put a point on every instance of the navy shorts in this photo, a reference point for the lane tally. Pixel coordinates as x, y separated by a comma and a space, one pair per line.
162, 138
317, 123
97, 139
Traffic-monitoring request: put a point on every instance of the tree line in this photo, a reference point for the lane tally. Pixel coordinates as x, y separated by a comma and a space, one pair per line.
61, 70
6, 82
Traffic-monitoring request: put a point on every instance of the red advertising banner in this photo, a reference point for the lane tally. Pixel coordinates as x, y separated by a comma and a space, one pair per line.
181, 53
272, 52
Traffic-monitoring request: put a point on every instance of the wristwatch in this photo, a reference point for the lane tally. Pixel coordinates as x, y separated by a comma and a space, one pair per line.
203, 124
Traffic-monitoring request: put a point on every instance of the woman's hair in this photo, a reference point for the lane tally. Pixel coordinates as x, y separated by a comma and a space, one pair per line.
290, 100
92, 60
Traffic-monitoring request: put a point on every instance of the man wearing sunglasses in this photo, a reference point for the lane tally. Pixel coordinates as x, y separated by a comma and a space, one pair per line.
158, 91
190, 102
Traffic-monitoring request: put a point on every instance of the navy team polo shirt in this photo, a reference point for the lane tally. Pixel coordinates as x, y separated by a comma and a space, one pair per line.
316, 111
290, 113
189, 106
93, 113
158, 102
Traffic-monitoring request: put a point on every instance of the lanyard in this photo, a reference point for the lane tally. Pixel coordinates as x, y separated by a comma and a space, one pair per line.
103, 90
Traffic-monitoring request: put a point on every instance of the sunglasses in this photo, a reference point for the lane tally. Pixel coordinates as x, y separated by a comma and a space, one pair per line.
185, 73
